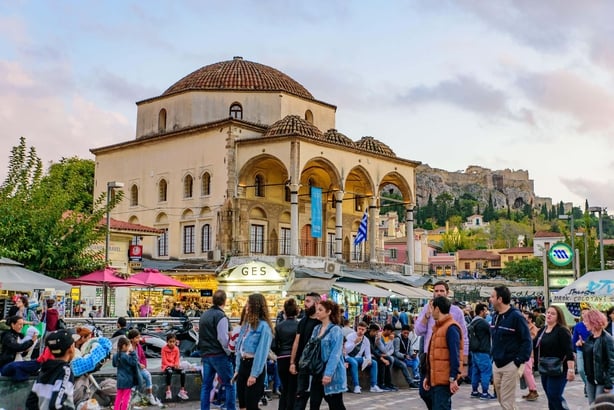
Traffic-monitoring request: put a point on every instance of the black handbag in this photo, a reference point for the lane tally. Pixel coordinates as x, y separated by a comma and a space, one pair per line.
311, 359
550, 366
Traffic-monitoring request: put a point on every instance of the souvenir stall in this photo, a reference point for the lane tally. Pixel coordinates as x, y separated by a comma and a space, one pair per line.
253, 277
594, 289
360, 298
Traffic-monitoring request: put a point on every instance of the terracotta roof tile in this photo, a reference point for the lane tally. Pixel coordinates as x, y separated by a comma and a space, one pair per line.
293, 125
373, 145
127, 226
338, 138
524, 249
477, 254
547, 234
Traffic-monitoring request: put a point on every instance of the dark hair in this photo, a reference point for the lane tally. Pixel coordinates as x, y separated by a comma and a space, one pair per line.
24, 299
257, 310
171, 336
13, 319
121, 321
363, 324
443, 283
480, 307
132, 333
373, 326
50, 303
529, 315
121, 342
313, 295
504, 293
443, 303
609, 311
219, 297
405, 327
290, 308
333, 308
388, 326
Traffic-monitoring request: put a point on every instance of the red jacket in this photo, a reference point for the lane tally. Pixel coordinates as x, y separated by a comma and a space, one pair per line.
51, 317
170, 357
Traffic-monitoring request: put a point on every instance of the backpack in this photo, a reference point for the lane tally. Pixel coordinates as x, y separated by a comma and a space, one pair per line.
61, 324
311, 359
474, 341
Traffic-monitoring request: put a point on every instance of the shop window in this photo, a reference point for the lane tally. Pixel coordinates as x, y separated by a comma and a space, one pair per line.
162, 190
256, 239
134, 195
309, 116
162, 120
284, 241
163, 243
188, 239
206, 184
188, 185
259, 186
206, 238
236, 111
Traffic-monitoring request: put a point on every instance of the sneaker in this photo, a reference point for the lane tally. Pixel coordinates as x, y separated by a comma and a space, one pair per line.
375, 389
154, 401
487, 396
356, 389
414, 385
475, 395
392, 387
183, 395
532, 396
169, 395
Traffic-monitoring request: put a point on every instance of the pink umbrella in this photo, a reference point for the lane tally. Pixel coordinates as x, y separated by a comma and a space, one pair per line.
152, 278
106, 277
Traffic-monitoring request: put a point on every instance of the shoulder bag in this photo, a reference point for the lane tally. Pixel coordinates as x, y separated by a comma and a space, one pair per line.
311, 359
548, 365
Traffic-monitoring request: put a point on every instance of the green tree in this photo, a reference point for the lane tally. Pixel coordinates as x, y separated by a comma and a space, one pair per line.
443, 203
454, 240
76, 176
37, 225
489, 211
530, 269
505, 233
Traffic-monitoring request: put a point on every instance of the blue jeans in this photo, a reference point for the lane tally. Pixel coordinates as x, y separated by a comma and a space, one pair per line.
414, 365
356, 362
481, 371
593, 390
441, 398
580, 365
554, 387
221, 365
147, 378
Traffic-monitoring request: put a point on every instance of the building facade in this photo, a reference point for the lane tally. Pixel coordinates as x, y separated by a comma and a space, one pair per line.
239, 159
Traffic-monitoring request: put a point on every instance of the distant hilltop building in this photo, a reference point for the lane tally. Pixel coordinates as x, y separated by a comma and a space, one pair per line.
508, 187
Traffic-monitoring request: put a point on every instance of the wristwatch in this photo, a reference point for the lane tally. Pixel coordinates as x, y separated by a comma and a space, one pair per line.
452, 379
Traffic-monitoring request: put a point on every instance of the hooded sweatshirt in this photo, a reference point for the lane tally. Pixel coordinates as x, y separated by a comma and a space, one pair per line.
54, 387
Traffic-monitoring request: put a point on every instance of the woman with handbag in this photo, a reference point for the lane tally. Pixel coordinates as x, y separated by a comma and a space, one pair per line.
252, 349
332, 381
598, 355
555, 357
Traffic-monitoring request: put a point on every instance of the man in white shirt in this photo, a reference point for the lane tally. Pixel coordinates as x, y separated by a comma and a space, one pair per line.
358, 353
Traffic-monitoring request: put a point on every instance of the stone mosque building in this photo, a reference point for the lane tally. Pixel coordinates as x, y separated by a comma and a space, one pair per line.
239, 159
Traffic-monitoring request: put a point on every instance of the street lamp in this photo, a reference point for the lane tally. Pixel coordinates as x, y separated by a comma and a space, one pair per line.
573, 246
110, 187
600, 210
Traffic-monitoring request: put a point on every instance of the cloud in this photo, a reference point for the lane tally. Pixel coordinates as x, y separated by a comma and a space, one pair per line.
118, 88
597, 192
565, 92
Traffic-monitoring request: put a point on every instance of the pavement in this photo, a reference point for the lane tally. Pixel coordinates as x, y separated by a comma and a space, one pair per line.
409, 399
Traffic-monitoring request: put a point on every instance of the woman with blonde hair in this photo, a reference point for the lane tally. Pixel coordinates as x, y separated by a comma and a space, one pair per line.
598, 355
553, 345
252, 348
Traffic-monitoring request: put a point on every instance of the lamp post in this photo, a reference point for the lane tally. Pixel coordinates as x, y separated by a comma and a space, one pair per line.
110, 187
600, 210
583, 234
573, 246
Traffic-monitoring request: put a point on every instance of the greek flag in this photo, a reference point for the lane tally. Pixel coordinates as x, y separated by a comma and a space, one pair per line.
361, 236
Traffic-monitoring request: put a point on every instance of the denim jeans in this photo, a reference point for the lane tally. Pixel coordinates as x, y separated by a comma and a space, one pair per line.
414, 365
441, 398
580, 364
355, 363
221, 365
554, 386
481, 371
593, 390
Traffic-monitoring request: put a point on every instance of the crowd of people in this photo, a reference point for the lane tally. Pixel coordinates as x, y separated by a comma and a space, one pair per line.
314, 354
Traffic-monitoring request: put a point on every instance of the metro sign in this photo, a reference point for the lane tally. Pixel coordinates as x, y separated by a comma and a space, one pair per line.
560, 254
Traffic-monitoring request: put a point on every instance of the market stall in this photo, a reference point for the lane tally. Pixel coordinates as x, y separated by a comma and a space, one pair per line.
594, 289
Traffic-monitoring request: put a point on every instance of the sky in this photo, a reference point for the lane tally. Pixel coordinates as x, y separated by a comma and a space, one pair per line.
500, 84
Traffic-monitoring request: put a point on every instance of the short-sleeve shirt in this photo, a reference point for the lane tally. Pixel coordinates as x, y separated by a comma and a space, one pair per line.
304, 330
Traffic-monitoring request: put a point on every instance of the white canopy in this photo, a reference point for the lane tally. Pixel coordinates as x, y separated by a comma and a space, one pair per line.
13, 276
595, 288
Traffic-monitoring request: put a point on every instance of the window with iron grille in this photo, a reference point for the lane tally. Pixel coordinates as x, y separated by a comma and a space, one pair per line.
188, 239
206, 238
256, 241
163, 243
284, 244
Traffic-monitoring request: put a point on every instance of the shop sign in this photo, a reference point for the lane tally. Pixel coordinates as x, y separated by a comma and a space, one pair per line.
206, 292
135, 252
254, 272
559, 282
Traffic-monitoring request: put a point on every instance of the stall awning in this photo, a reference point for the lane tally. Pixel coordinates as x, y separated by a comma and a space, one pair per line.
306, 285
365, 289
404, 290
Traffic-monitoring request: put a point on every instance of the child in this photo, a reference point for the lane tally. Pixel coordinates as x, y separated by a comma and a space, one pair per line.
135, 340
170, 364
54, 387
127, 372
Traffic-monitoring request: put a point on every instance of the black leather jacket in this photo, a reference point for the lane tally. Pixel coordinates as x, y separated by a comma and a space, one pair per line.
599, 370
11, 346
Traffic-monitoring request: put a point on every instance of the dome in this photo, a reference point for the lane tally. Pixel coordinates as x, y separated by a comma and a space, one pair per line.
293, 125
373, 145
239, 75
338, 138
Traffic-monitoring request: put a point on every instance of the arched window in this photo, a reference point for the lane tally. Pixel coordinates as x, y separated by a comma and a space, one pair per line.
188, 184
309, 116
206, 238
134, 195
259, 185
236, 111
162, 189
206, 184
162, 120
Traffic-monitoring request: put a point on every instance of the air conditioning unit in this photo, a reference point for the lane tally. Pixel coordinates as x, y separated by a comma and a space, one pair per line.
406, 270
214, 255
283, 262
332, 267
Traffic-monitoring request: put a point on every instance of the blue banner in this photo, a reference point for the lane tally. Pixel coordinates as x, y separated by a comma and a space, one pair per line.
316, 212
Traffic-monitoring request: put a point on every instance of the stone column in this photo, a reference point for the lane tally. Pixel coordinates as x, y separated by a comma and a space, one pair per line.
409, 221
372, 229
339, 226
294, 231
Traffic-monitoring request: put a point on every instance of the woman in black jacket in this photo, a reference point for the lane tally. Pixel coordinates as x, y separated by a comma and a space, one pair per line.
598, 351
554, 341
285, 333
10, 341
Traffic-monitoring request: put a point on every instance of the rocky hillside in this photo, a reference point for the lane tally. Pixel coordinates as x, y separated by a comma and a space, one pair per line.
507, 186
